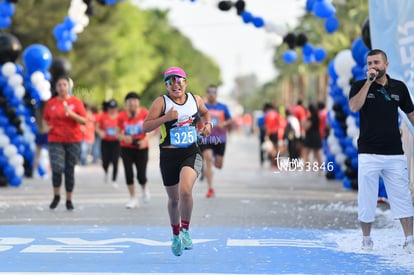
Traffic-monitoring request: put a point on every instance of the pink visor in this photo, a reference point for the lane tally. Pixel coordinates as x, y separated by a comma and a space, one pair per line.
174, 71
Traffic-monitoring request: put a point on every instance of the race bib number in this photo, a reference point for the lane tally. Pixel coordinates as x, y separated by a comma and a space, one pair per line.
183, 136
111, 131
132, 130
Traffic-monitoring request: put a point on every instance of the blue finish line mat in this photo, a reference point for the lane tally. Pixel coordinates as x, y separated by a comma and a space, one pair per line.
217, 250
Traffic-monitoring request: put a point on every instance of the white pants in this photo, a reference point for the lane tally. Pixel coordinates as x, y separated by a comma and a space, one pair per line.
393, 170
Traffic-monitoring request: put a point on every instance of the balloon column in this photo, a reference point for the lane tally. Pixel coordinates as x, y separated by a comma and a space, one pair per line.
21, 89
15, 138
349, 65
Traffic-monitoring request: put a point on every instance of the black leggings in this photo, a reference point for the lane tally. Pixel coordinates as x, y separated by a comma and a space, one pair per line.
63, 158
139, 157
110, 151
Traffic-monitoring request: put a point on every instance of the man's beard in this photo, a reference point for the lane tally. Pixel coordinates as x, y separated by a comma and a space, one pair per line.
381, 73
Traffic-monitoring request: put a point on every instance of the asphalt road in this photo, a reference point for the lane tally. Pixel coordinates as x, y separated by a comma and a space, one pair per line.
246, 195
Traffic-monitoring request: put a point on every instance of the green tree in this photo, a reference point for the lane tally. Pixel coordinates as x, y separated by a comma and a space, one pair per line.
122, 49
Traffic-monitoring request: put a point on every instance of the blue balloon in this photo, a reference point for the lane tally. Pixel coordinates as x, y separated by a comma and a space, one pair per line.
14, 101
289, 56
110, 2
258, 22
357, 70
3, 80
323, 9
347, 183
8, 91
10, 131
349, 141
64, 45
3, 160
308, 58
8, 171
331, 24
354, 162
69, 23
58, 31
309, 5
307, 49
247, 17
339, 175
331, 71
330, 158
3, 121
15, 181
6, 9
18, 140
320, 54
359, 51
37, 57
5, 21
351, 152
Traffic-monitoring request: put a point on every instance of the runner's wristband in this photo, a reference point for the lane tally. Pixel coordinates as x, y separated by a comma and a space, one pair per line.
135, 142
211, 123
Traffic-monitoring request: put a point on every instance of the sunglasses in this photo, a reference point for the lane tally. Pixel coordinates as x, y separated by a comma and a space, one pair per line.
211, 91
175, 79
384, 92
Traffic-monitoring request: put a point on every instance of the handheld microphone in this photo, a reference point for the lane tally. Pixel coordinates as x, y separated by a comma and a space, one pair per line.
371, 77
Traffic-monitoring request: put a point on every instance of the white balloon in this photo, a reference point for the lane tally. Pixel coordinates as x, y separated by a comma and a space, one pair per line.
355, 141
45, 85
350, 121
45, 95
44, 159
8, 69
346, 90
10, 150
16, 160
340, 158
19, 91
15, 80
343, 81
19, 170
37, 77
335, 149
279, 29
343, 63
78, 28
4, 140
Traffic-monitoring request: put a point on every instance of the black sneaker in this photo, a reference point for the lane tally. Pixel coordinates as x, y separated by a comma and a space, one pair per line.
69, 205
55, 202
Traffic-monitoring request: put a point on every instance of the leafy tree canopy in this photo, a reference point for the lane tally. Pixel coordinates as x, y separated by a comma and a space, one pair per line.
122, 49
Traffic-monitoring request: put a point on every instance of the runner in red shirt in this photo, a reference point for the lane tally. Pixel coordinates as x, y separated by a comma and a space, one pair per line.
272, 124
134, 146
106, 128
64, 114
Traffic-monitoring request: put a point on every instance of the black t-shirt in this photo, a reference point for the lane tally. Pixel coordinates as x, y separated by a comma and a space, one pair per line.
379, 132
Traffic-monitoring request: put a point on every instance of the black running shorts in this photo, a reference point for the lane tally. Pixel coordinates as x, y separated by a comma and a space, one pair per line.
172, 160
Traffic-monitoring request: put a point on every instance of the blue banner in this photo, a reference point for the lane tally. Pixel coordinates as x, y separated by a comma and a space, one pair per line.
391, 24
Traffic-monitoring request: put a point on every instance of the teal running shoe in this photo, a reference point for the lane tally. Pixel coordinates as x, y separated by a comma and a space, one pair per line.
186, 239
176, 246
